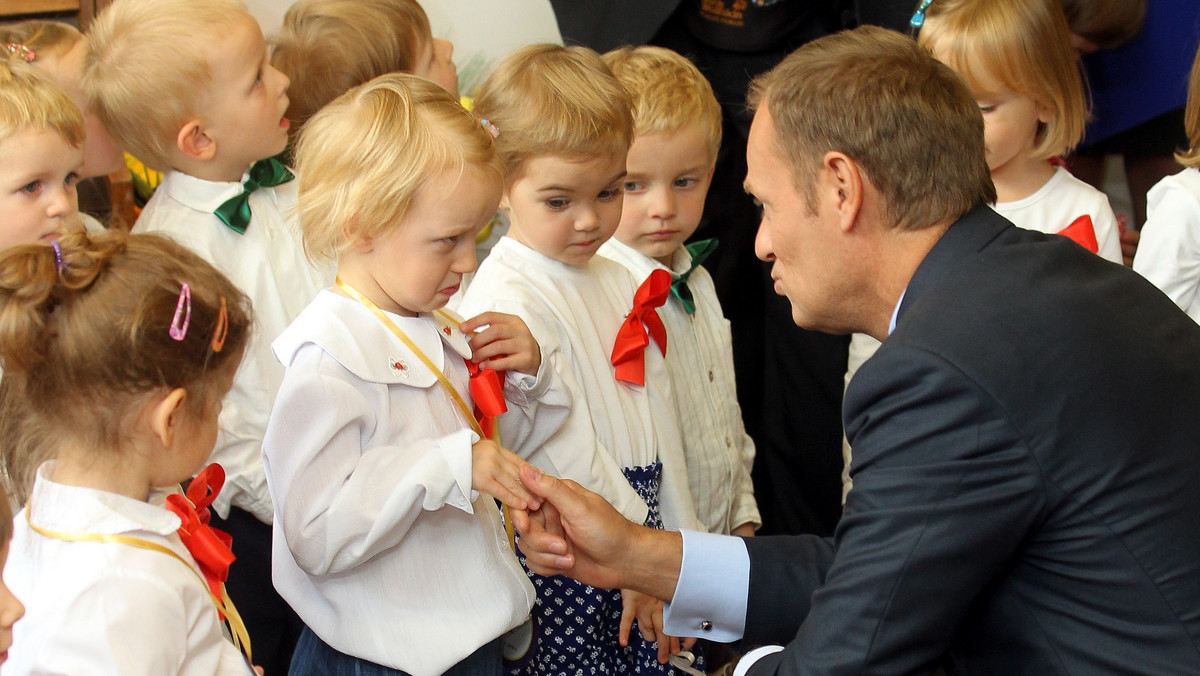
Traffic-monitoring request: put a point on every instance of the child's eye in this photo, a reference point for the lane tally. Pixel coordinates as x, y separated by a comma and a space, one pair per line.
633, 186
987, 108
32, 187
558, 203
685, 182
452, 239
610, 194
71, 179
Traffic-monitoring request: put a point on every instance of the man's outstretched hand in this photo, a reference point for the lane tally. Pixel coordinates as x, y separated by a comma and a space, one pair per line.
579, 534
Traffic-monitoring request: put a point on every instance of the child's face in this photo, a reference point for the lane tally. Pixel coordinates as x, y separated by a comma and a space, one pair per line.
668, 178
417, 265
37, 186
1010, 127
565, 208
101, 154
11, 609
243, 111
435, 64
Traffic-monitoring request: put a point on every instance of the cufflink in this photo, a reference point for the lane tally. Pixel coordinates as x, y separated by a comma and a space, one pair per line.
706, 625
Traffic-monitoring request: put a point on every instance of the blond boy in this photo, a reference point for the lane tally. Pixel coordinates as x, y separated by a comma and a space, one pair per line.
677, 131
185, 85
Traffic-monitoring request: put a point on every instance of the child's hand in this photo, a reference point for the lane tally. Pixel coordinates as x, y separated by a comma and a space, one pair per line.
648, 611
505, 345
494, 470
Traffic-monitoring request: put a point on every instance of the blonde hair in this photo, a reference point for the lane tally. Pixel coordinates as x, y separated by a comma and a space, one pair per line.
94, 336
1191, 118
362, 158
904, 118
146, 70
29, 99
668, 93
1024, 46
42, 38
553, 100
325, 47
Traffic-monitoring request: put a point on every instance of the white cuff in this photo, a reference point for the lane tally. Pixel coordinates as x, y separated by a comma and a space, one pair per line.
714, 582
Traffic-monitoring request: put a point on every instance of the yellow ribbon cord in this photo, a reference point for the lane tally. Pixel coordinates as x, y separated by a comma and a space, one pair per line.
458, 400
237, 628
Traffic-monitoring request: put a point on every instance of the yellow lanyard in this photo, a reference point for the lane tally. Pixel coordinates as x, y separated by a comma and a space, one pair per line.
458, 400
237, 628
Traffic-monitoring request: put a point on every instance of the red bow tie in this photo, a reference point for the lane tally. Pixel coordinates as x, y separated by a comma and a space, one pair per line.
209, 546
488, 396
629, 350
1082, 231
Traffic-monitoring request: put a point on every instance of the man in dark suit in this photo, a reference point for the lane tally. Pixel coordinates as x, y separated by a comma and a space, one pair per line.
1027, 451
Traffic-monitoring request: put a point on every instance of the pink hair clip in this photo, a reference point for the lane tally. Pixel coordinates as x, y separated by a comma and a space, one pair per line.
492, 129
177, 330
21, 51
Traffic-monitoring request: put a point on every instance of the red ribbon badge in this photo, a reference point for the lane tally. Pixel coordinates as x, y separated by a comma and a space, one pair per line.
1082, 232
488, 396
640, 325
209, 546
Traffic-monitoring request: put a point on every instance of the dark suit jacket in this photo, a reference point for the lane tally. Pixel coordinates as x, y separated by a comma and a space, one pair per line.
1026, 479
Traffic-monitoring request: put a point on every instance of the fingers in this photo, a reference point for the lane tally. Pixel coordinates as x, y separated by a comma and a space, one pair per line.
474, 323
496, 471
628, 610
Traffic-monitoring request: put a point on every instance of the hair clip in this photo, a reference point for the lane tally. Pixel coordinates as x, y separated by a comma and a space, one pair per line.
492, 129
219, 333
59, 263
21, 51
918, 18
177, 330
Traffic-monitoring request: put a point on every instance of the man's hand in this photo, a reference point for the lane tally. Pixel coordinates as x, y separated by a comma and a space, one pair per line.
578, 534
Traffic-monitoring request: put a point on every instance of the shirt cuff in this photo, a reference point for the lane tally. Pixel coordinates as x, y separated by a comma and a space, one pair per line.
714, 582
743, 665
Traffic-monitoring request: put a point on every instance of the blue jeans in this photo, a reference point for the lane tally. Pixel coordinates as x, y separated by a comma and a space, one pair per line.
314, 657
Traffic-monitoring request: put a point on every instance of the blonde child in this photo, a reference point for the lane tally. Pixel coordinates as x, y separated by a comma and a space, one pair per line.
677, 131
374, 456
564, 127
1169, 253
1017, 58
57, 49
185, 86
41, 140
11, 608
327, 47
101, 556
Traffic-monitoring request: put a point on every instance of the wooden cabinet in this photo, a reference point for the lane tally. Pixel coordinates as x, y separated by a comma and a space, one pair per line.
84, 10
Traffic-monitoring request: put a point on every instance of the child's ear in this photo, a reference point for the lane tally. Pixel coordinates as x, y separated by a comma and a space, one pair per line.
194, 142
164, 418
359, 242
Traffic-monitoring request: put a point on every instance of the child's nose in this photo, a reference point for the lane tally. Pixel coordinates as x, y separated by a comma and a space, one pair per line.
662, 203
588, 220
62, 203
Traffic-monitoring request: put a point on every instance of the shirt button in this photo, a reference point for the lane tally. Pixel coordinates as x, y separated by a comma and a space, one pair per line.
706, 625
728, 442
710, 376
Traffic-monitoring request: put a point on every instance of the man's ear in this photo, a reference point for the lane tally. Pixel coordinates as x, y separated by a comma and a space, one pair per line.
165, 415
845, 187
193, 141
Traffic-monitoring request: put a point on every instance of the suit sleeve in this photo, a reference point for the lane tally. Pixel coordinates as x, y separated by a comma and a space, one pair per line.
945, 489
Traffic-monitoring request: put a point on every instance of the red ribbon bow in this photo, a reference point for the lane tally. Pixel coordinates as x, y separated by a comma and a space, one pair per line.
488, 396
640, 325
1082, 232
209, 546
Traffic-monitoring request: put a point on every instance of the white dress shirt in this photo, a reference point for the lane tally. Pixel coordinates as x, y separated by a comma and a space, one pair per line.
109, 608
381, 545
1058, 203
267, 263
1168, 253
719, 453
574, 313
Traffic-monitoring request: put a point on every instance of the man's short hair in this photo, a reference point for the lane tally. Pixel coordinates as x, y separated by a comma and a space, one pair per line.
146, 71
326, 47
668, 93
553, 100
908, 122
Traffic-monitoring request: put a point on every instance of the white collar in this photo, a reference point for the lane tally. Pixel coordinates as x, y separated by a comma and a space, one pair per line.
200, 194
73, 509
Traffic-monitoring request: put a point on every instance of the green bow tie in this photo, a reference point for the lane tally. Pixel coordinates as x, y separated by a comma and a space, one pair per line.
235, 211
700, 251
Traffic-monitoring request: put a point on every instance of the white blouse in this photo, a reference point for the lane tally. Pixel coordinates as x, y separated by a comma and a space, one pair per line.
104, 607
381, 545
574, 313
1169, 251
719, 453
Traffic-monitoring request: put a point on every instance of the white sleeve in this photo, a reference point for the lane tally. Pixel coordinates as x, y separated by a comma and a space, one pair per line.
340, 504
1168, 253
713, 589
1108, 235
